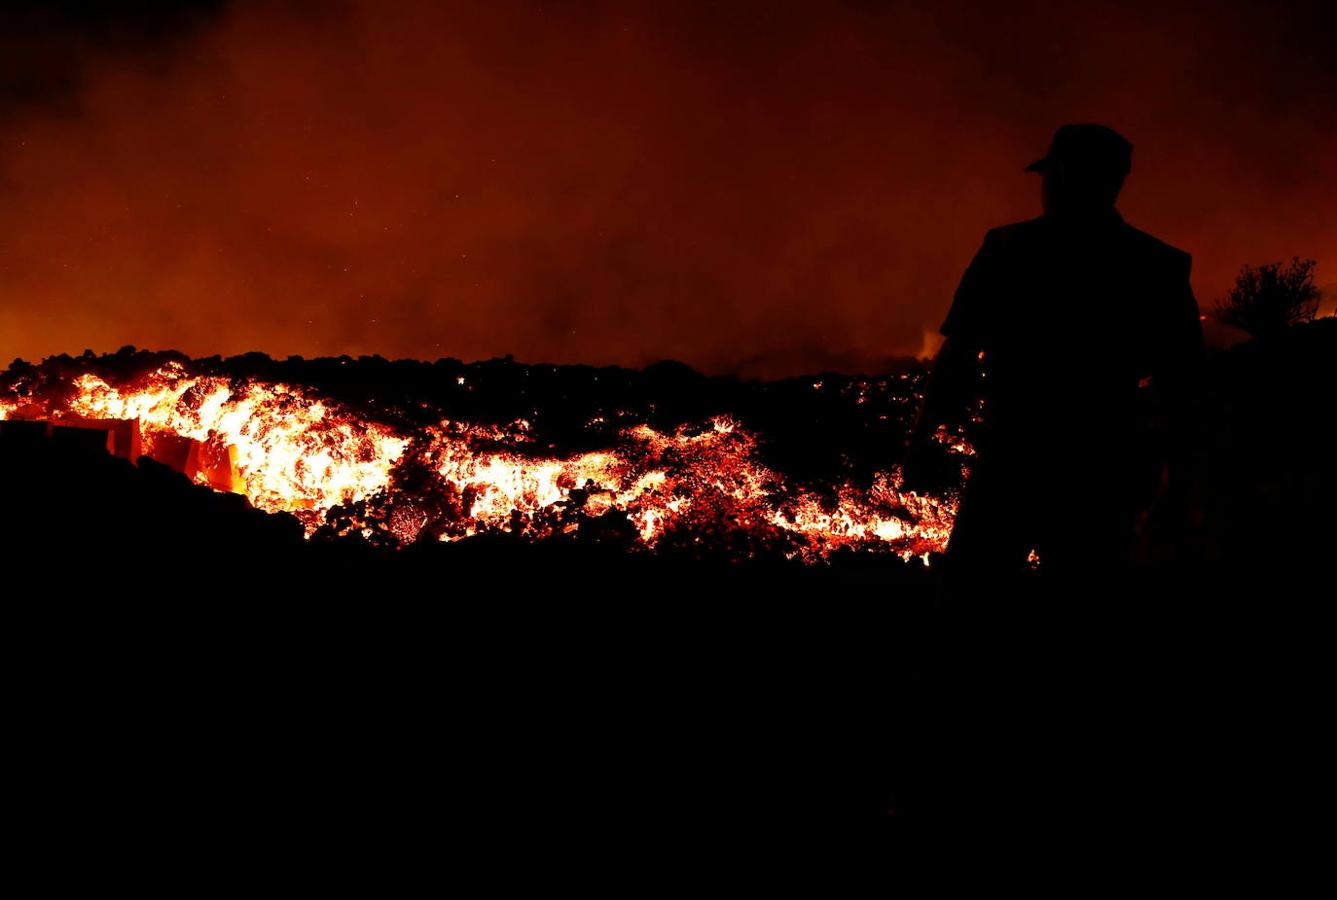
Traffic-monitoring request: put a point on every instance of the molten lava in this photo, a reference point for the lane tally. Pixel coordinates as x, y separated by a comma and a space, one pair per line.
342, 473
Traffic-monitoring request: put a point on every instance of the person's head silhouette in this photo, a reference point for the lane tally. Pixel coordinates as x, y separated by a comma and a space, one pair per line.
1084, 170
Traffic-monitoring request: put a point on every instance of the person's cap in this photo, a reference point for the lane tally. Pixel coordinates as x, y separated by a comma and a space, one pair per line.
1089, 147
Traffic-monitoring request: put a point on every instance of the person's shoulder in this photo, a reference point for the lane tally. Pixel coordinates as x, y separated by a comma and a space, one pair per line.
1155, 248
1026, 228
1014, 234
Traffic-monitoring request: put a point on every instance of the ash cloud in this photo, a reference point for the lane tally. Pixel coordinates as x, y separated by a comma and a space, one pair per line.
763, 189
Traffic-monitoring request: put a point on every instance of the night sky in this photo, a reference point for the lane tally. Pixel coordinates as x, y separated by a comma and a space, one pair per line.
763, 188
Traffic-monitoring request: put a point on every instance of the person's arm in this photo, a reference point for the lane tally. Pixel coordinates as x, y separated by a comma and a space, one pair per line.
1178, 364
949, 389
1176, 379
952, 382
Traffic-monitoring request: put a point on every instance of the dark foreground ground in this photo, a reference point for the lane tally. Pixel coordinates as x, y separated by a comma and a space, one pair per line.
192, 685
648, 726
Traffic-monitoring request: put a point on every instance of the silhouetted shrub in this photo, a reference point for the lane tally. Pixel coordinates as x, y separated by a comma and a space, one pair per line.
1270, 298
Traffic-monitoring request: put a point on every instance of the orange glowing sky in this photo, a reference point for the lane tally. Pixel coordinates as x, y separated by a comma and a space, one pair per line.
747, 187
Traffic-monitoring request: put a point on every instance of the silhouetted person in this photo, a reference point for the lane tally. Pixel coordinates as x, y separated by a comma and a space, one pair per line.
1080, 333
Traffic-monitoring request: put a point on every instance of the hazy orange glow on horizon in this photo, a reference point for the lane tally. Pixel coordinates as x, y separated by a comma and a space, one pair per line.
757, 188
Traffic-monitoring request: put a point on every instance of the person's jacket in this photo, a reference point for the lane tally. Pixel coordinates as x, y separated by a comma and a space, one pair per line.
1081, 328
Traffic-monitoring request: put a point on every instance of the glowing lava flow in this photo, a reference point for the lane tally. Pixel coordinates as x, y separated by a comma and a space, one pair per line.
292, 451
